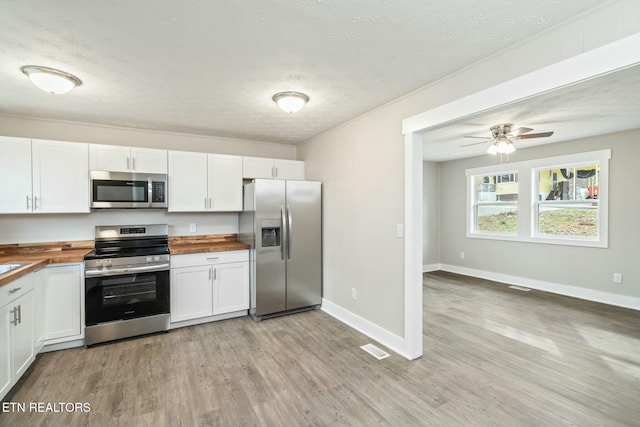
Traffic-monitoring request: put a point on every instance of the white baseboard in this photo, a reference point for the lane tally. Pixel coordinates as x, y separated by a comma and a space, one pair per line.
431, 267
373, 331
556, 288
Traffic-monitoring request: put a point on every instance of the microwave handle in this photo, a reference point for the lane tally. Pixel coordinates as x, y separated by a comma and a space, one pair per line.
150, 191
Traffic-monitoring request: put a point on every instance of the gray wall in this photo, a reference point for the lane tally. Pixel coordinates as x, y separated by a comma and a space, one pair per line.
431, 210
590, 268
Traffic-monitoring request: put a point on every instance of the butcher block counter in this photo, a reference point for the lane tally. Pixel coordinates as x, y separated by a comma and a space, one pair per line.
181, 245
36, 255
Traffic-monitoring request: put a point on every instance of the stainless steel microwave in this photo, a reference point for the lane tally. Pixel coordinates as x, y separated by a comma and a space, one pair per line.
122, 190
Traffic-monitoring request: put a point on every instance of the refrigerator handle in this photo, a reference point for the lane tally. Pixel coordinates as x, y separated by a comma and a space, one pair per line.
289, 231
283, 231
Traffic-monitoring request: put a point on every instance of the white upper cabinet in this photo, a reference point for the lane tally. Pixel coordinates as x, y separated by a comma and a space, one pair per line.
115, 158
259, 167
201, 182
60, 176
15, 175
225, 182
42, 176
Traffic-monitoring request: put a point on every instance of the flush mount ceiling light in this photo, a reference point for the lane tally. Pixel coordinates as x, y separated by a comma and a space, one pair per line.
291, 102
51, 80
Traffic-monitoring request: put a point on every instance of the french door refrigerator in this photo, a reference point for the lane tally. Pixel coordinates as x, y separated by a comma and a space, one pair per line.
282, 221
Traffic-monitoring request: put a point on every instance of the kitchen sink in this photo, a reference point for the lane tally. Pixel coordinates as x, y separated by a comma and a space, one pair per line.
6, 268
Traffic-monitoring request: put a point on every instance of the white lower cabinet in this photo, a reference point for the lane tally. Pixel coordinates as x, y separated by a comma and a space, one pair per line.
63, 297
209, 284
16, 331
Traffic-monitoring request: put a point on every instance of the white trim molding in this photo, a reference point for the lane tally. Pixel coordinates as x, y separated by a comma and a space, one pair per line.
555, 288
362, 325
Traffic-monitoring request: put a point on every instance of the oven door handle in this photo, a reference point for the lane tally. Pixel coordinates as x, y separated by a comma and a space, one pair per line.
116, 271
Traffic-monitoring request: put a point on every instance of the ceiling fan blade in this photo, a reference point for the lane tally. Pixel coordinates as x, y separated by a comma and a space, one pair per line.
483, 137
534, 135
520, 131
475, 143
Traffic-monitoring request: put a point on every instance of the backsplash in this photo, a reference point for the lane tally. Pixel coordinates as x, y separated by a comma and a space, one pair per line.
64, 227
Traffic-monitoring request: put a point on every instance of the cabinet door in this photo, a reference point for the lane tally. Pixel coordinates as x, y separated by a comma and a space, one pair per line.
15, 175
60, 176
191, 293
112, 158
5, 349
289, 169
148, 160
231, 287
62, 302
225, 182
23, 335
257, 167
187, 182
38, 311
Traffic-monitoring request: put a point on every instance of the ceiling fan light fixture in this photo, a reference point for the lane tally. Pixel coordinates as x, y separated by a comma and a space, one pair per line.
290, 101
493, 148
51, 80
509, 148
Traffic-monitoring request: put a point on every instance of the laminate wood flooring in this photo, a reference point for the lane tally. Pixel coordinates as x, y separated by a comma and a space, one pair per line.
493, 356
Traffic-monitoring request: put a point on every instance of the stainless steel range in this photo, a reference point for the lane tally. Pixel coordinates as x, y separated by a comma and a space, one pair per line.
127, 282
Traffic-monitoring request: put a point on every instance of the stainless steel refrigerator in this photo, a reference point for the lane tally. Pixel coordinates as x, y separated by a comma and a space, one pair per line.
282, 221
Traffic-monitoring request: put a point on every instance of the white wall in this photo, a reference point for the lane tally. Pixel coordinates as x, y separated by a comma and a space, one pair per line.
580, 267
52, 228
361, 164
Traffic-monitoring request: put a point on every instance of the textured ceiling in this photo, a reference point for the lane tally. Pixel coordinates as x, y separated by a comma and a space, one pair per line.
610, 103
211, 67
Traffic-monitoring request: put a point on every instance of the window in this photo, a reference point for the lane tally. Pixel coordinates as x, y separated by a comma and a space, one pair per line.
568, 201
496, 203
559, 200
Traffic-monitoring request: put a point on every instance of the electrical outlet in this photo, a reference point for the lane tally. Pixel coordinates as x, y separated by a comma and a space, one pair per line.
461, 255
617, 277
193, 227
354, 293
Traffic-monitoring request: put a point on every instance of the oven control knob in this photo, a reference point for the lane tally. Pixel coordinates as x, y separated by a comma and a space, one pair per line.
107, 263
99, 265
156, 258
149, 259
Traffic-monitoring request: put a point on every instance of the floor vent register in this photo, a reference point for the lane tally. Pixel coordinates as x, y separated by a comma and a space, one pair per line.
375, 351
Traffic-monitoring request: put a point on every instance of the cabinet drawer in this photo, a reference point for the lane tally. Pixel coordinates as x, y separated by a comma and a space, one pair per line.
16, 289
209, 258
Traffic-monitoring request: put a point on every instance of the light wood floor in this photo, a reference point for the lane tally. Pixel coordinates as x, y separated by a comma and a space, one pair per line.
493, 356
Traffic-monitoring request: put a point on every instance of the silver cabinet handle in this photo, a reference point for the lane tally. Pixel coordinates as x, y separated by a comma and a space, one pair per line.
133, 163
28, 202
14, 322
209, 202
128, 165
215, 274
289, 231
210, 273
213, 257
35, 203
14, 290
273, 171
19, 314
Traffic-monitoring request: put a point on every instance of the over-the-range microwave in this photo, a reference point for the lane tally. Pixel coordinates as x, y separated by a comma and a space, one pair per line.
123, 190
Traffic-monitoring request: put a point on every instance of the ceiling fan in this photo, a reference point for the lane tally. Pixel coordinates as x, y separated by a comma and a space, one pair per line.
501, 141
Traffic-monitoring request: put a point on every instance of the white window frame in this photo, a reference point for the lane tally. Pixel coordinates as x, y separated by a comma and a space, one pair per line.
475, 203
528, 202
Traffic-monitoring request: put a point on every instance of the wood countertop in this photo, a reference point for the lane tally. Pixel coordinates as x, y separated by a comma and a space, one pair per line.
37, 255
181, 245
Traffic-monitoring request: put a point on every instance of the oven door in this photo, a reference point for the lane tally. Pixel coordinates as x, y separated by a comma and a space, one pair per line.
126, 296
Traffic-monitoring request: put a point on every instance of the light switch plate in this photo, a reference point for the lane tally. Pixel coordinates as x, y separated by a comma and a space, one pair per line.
193, 228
